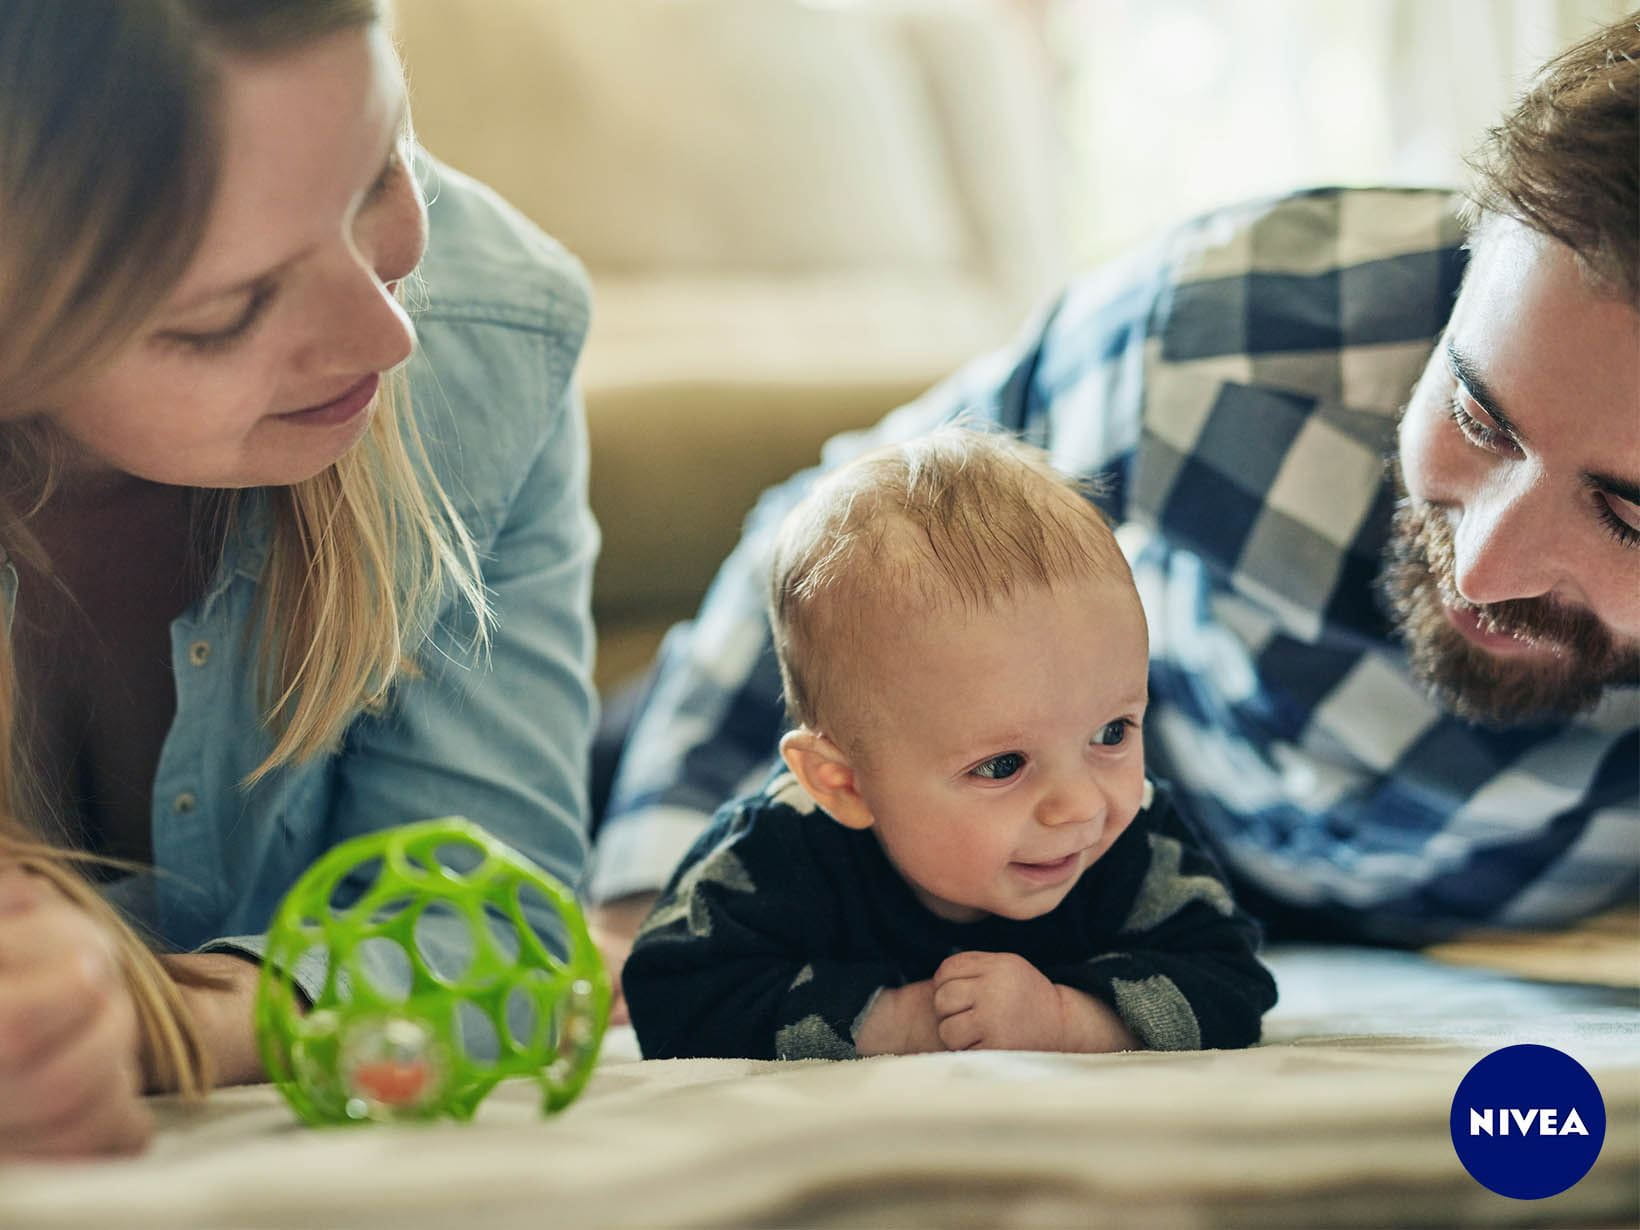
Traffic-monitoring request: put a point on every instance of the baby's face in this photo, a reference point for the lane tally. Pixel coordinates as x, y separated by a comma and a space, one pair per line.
1004, 754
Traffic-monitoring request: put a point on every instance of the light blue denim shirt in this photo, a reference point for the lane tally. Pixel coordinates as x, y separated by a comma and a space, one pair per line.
502, 741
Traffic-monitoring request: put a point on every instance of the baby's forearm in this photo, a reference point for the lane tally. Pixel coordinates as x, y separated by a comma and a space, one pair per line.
901, 1022
1091, 1026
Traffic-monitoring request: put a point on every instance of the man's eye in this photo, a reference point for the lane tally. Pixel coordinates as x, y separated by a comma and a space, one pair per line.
1114, 733
1620, 517
1483, 435
1001, 767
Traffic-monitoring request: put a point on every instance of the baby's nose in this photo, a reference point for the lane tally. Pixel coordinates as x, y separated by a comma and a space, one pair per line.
1081, 803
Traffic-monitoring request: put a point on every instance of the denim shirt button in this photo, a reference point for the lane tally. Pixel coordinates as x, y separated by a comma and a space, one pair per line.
199, 652
184, 803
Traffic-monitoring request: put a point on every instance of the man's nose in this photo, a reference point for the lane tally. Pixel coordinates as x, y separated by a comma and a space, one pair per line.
1502, 544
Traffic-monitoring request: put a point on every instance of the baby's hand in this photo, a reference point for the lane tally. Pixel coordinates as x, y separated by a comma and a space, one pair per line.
996, 1001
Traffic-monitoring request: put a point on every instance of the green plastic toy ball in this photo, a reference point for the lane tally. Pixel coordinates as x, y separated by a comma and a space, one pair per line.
404, 1027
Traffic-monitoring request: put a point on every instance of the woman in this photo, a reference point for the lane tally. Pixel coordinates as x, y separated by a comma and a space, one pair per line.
257, 606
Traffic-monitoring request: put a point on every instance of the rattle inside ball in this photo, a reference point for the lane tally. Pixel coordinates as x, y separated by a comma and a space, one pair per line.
389, 1067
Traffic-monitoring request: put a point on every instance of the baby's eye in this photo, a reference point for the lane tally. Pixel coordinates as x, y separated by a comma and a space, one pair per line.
1000, 767
1114, 733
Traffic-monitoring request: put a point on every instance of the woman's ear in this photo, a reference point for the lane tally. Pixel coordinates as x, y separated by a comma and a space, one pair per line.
825, 772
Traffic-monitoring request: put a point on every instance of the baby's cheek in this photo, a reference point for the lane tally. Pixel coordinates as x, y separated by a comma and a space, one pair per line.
1133, 801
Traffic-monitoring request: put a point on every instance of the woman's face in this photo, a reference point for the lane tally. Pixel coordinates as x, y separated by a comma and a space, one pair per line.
260, 367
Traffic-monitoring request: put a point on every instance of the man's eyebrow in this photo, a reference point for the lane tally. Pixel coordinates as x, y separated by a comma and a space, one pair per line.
1463, 369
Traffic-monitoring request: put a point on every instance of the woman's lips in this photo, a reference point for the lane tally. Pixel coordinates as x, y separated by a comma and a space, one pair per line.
339, 410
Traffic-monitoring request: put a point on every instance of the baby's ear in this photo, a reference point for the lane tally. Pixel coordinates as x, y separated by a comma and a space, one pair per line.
824, 771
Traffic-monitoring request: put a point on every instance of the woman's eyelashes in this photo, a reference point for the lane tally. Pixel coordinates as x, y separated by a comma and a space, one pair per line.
220, 339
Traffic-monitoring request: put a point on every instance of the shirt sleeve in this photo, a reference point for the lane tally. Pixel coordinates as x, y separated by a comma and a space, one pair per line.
725, 966
1070, 384
1183, 972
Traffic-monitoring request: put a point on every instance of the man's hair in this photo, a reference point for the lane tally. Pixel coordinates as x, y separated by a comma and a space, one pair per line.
955, 519
1566, 161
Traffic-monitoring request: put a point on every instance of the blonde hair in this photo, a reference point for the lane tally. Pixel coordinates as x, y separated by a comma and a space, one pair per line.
106, 175
958, 518
1566, 160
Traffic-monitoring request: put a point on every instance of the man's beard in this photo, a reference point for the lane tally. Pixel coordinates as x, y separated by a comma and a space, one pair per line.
1418, 584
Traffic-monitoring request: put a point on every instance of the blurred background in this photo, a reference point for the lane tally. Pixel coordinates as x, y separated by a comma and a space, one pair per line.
798, 214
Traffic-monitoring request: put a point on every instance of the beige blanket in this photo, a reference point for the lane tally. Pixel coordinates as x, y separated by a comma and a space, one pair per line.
1339, 1120
1605, 951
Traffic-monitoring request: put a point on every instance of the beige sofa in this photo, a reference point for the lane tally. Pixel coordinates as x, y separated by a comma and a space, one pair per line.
795, 216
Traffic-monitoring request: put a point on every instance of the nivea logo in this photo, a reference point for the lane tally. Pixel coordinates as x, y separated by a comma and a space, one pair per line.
1539, 1119
1528, 1121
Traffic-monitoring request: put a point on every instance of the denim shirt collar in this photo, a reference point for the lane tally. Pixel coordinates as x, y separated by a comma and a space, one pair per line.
246, 550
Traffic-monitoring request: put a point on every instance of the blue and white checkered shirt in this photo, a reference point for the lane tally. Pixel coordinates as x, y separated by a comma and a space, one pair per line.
1236, 391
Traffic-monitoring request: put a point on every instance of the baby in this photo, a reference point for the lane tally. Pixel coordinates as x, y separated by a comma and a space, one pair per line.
963, 850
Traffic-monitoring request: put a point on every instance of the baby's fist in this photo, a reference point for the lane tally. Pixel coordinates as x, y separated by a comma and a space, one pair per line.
996, 1001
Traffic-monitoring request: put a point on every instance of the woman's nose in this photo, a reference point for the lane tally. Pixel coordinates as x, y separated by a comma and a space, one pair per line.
361, 327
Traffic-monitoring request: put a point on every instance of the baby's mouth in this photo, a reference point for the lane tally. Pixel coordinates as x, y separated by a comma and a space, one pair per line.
1048, 871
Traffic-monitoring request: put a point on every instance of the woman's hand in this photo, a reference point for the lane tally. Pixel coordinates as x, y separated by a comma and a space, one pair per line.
70, 1073
614, 926
221, 998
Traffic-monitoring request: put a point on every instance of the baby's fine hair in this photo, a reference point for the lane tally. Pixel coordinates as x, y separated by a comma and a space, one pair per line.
958, 518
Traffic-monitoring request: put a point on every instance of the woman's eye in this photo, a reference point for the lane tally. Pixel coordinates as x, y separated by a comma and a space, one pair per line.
998, 768
1114, 733
221, 339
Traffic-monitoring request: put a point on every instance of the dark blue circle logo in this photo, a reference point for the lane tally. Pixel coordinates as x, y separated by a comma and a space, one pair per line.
1528, 1121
